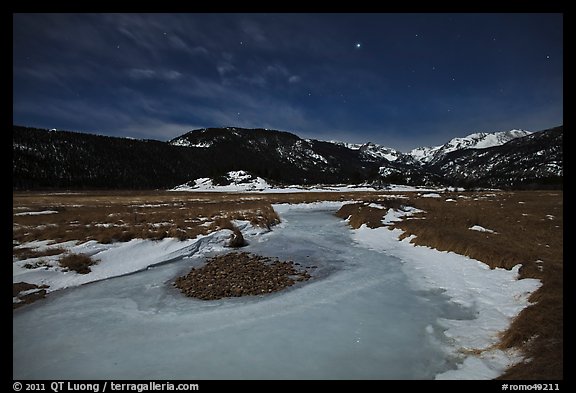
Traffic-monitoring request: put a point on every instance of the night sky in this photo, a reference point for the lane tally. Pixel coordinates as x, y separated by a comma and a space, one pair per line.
401, 80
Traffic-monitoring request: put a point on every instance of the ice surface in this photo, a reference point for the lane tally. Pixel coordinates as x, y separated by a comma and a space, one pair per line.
357, 318
494, 295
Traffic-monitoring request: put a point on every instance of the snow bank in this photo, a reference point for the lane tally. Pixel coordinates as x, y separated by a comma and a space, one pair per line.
494, 295
41, 213
431, 195
120, 258
393, 215
481, 229
282, 208
242, 181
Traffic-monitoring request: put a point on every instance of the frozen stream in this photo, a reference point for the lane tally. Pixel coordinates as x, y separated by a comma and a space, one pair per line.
358, 318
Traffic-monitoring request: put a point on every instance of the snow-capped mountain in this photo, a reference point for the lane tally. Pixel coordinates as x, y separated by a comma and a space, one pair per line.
373, 151
62, 159
533, 160
479, 140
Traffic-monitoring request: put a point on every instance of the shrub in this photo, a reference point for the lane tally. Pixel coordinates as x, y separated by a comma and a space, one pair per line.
78, 262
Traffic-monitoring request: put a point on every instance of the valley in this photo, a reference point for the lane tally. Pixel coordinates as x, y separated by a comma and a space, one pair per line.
112, 227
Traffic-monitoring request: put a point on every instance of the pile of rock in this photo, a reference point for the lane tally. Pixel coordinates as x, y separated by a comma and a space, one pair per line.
239, 274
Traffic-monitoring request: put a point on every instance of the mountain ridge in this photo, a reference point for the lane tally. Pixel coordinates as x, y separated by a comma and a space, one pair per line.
63, 159
477, 140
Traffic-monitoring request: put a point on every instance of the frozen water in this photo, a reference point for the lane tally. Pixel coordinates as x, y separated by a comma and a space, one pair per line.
358, 318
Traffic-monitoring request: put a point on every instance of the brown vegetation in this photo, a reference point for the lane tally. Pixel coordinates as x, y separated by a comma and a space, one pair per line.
239, 274
529, 228
27, 253
19, 287
80, 263
122, 216
361, 213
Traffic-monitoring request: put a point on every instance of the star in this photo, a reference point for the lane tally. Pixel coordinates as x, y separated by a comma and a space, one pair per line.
548, 57
358, 45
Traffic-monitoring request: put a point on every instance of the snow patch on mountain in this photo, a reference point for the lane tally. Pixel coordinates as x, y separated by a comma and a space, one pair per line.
187, 143
479, 140
372, 150
234, 181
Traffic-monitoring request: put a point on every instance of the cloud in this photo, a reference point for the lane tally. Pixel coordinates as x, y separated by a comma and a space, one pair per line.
152, 128
138, 73
255, 80
170, 74
225, 68
180, 44
145, 73
294, 79
253, 31
276, 69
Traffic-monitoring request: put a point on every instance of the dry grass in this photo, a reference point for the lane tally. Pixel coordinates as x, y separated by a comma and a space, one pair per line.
27, 253
122, 216
111, 216
80, 263
19, 287
361, 213
529, 228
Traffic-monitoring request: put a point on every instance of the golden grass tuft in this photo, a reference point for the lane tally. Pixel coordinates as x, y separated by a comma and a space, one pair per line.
78, 262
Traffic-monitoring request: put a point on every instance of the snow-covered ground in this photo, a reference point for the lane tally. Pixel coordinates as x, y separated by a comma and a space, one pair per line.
495, 295
40, 213
117, 259
394, 310
481, 229
242, 181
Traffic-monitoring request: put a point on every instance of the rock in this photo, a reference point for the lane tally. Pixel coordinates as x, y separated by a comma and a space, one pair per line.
237, 239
